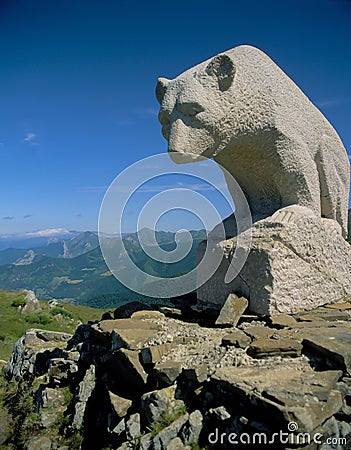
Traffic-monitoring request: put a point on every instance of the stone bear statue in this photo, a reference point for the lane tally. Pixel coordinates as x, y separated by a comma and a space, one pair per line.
241, 109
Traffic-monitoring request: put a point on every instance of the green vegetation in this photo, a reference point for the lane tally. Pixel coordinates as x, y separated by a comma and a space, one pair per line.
61, 310
166, 420
18, 401
62, 318
39, 318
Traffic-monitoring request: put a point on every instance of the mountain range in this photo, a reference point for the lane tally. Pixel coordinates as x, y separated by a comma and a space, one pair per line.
20, 254
74, 270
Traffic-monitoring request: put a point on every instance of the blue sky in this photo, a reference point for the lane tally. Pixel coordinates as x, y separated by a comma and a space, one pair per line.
77, 86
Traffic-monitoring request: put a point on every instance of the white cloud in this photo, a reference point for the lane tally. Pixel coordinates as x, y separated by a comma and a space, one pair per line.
47, 233
30, 139
331, 102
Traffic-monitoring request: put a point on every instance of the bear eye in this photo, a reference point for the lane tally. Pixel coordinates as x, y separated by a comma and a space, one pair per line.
189, 108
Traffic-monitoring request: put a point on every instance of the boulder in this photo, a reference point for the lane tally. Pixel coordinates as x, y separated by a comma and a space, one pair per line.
125, 311
232, 310
84, 391
176, 444
39, 443
156, 404
302, 265
236, 338
165, 373
197, 374
282, 321
276, 395
62, 370
5, 426
123, 333
119, 405
126, 369
133, 427
259, 332
152, 355
332, 344
32, 303
190, 433
164, 437
32, 353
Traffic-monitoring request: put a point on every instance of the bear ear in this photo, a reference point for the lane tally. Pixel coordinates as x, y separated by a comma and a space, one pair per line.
222, 67
161, 89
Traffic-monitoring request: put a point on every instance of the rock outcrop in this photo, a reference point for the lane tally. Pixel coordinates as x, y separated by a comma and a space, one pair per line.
182, 385
246, 113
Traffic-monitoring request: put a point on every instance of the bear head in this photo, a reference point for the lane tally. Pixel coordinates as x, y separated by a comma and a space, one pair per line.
191, 109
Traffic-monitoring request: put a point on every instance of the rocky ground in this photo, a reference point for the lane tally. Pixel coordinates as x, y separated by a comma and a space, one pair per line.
168, 379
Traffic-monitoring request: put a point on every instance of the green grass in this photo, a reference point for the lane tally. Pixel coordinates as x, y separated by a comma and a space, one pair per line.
13, 324
166, 420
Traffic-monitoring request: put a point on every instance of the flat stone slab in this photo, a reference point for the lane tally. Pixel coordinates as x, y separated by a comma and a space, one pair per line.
299, 394
236, 338
257, 332
340, 306
232, 310
119, 404
263, 348
333, 343
124, 333
282, 321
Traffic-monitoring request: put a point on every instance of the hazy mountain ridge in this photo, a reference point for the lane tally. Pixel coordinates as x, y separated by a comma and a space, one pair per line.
63, 248
86, 279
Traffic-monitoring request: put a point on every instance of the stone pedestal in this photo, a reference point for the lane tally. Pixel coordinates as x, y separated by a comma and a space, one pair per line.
297, 262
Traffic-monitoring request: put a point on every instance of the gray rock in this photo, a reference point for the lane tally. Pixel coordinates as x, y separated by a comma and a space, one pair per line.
125, 311
220, 413
301, 395
53, 336
164, 437
167, 372
176, 444
129, 370
119, 428
32, 303
336, 431
39, 443
61, 370
133, 427
145, 442
232, 310
123, 333
282, 321
119, 405
197, 374
156, 404
31, 355
85, 389
152, 355
333, 343
246, 113
5, 426
236, 338
191, 431
258, 332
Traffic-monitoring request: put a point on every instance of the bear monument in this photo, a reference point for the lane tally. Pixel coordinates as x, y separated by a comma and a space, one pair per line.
242, 110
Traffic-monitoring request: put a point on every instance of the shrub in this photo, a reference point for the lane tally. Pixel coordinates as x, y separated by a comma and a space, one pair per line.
41, 317
61, 310
19, 301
